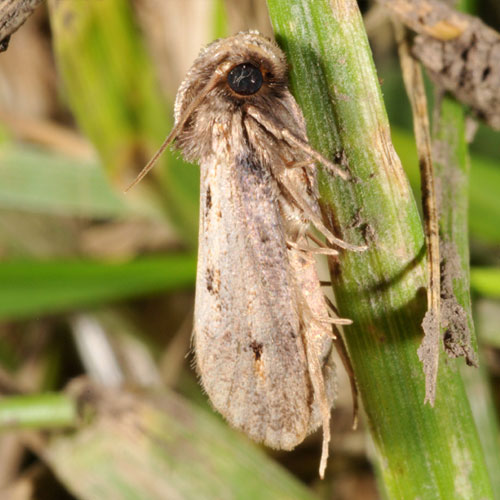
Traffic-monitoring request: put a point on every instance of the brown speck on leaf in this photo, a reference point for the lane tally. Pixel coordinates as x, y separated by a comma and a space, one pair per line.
457, 335
68, 19
368, 233
428, 354
210, 280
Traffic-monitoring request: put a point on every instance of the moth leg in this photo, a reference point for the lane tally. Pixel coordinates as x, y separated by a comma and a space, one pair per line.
333, 321
319, 388
325, 283
315, 333
337, 320
315, 219
282, 133
341, 348
318, 382
331, 305
316, 240
312, 250
346, 361
300, 164
321, 319
321, 245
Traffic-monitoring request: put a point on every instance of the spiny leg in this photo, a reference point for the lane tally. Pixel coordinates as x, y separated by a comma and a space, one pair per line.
289, 191
346, 361
318, 382
280, 132
341, 348
312, 250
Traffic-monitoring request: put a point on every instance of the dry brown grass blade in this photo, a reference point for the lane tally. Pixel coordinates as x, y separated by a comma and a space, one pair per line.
460, 53
13, 13
414, 83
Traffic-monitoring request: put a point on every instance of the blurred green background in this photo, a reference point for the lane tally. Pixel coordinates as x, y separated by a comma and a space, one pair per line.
96, 282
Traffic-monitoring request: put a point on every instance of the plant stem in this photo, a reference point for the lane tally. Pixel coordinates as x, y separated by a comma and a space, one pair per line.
452, 168
425, 452
37, 411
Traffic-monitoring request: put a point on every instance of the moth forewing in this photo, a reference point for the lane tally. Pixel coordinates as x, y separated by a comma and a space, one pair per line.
261, 355
248, 328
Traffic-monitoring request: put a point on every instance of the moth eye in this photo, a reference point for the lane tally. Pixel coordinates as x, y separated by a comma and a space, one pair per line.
245, 79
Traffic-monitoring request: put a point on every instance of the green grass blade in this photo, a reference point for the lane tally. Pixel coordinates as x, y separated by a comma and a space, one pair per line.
42, 182
29, 288
451, 164
111, 87
37, 181
37, 411
485, 281
484, 202
220, 21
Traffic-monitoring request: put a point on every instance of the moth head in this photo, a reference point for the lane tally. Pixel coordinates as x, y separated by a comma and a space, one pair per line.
246, 67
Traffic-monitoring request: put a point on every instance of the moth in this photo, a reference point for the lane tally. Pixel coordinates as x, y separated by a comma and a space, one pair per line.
262, 329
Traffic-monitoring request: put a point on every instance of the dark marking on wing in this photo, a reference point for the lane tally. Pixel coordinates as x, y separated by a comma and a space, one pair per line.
257, 348
264, 237
252, 166
208, 200
212, 277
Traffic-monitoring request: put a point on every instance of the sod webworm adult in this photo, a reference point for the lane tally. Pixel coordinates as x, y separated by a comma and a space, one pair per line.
262, 330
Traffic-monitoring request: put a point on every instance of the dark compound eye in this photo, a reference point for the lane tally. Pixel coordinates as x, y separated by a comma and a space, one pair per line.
245, 79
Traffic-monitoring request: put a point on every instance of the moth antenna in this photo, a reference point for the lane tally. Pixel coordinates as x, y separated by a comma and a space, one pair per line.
214, 80
151, 163
281, 132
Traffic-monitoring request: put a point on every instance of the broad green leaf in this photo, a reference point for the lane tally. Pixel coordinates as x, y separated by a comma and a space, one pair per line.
36, 181
136, 447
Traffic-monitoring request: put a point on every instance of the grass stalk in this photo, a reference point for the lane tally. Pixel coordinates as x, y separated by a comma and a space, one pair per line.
452, 168
425, 452
37, 411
